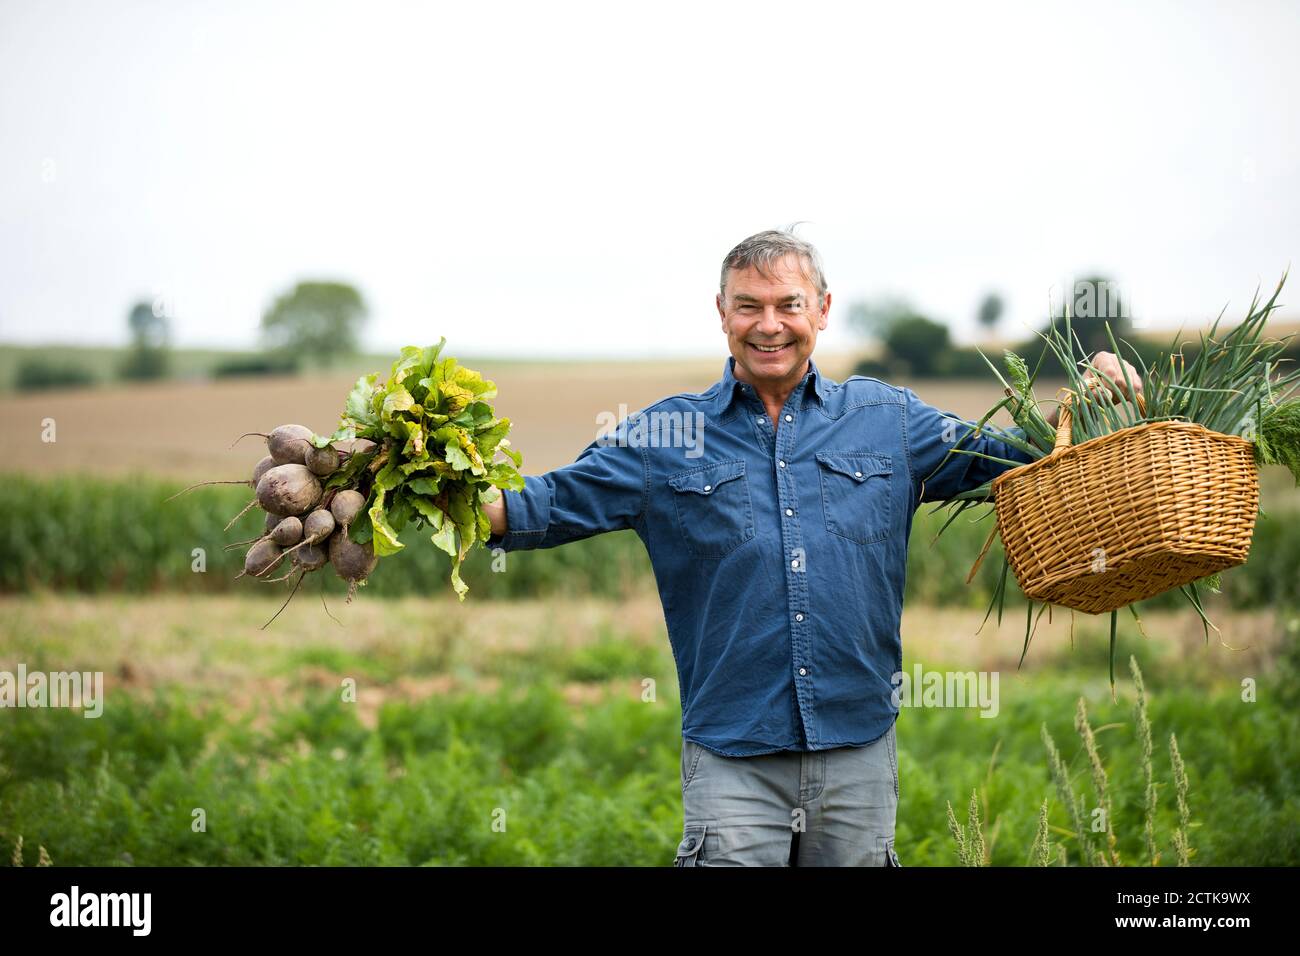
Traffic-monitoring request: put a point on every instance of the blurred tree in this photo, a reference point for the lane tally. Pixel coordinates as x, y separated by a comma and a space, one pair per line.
920, 342
872, 318
1095, 301
317, 320
912, 343
149, 330
990, 311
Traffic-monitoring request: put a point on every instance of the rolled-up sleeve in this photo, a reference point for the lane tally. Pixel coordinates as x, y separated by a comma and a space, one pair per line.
604, 489
937, 443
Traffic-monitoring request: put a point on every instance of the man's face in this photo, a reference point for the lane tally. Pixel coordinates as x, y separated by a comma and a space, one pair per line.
772, 321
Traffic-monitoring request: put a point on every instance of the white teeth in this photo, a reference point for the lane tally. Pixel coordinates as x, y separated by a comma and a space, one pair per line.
768, 348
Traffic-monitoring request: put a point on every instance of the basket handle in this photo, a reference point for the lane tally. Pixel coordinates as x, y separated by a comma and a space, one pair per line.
1065, 420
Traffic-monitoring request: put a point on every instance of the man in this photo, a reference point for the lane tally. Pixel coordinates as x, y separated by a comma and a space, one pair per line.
779, 546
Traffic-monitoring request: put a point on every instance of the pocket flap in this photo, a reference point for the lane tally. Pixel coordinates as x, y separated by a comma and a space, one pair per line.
891, 858
857, 465
705, 479
688, 851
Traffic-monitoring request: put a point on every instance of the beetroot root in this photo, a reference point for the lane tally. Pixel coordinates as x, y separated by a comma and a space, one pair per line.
322, 461
352, 562
346, 506
287, 532
288, 490
261, 557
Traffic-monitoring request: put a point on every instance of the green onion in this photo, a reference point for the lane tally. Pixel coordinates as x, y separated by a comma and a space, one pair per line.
1232, 385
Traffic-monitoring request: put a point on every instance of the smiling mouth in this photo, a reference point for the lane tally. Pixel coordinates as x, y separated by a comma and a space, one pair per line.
770, 349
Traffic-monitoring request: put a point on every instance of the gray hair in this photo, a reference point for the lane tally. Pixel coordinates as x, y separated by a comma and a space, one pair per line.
766, 249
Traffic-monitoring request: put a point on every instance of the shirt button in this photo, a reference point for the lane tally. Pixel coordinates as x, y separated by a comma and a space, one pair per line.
803, 672
781, 463
789, 513
789, 418
856, 474
760, 418
708, 487
794, 563
798, 617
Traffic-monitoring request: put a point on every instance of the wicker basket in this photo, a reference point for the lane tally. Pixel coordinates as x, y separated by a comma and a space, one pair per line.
1125, 516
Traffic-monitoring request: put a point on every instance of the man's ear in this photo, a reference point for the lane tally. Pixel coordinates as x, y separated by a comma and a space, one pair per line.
722, 313
823, 319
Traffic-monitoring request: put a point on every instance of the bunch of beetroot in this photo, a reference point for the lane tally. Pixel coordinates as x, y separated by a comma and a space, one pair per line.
415, 448
306, 525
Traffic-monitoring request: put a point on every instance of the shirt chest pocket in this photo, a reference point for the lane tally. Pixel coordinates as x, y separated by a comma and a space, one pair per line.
857, 494
714, 513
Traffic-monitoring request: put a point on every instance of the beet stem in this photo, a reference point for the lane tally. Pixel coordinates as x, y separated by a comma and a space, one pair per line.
241, 514
200, 484
326, 606
245, 435
286, 600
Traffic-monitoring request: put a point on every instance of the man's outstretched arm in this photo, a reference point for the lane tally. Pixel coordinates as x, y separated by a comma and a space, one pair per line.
604, 489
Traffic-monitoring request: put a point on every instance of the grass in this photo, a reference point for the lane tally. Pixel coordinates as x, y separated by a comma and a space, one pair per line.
542, 724
1091, 825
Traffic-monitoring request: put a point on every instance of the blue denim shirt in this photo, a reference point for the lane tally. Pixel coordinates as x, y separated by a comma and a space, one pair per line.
780, 552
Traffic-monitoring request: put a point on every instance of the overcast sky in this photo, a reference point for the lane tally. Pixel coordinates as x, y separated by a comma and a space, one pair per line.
564, 179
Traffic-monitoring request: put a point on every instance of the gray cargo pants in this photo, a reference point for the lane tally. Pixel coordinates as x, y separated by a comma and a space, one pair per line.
792, 808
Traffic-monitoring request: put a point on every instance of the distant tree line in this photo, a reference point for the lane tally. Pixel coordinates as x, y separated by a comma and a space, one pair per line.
312, 323
915, 345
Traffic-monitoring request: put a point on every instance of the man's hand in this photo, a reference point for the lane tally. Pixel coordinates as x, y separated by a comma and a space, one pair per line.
496, 512
1108, 364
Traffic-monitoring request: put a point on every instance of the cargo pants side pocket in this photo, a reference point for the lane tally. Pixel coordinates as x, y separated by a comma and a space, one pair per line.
689, 850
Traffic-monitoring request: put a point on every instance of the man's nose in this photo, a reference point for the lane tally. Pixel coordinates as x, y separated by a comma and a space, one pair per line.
770, 324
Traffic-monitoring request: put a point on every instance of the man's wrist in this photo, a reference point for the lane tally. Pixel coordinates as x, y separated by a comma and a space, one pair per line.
498, 516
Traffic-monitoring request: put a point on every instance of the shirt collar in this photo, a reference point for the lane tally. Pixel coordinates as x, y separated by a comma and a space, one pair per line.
730, 386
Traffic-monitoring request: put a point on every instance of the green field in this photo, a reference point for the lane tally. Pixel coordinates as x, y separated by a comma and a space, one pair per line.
84, 534
524, 705
527, 700
532, 713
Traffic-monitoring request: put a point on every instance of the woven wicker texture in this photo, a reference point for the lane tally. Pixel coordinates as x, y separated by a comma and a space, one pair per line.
1126, 516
